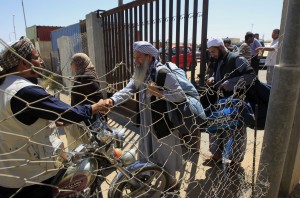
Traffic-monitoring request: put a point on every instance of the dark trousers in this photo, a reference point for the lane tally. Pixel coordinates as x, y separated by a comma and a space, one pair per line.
33, 191
255, 63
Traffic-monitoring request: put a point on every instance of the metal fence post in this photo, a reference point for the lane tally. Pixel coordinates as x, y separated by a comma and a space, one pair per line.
203, 41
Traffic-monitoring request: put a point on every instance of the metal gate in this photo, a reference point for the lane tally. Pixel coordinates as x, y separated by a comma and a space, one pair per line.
171, 26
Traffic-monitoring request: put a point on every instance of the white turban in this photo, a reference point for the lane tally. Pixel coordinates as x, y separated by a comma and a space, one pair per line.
145, 48
214, 42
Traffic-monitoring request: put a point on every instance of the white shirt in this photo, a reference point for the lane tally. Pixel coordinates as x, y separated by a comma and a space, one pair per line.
271, 58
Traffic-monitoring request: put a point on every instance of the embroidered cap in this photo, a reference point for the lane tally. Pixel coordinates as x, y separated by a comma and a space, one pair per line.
145, 48
8, 58
214, 42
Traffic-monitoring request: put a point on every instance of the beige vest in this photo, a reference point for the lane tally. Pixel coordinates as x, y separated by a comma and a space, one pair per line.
26, 152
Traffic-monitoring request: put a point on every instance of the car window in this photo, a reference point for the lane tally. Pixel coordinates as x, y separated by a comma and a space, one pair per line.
174, 50
181, 51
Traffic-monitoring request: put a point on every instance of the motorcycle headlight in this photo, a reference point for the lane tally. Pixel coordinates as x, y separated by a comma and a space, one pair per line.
128, 157
104, 136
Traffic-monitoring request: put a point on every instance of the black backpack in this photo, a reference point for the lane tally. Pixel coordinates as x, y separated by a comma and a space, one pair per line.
184, 116
259, 94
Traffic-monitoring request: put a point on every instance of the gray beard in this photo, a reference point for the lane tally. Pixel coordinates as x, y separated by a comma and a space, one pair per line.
140, 73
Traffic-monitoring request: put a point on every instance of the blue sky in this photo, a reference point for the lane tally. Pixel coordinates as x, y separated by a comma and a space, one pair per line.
232, 18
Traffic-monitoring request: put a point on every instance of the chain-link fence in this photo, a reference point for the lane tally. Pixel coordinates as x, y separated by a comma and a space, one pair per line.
94, 168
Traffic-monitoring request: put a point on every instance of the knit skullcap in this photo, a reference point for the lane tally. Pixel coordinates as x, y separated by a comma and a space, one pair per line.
215, 42
9, 57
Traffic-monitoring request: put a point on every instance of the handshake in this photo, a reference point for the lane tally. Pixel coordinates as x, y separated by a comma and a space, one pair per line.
102, 106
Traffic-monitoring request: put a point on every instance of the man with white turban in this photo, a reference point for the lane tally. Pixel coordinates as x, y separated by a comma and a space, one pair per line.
28, 135
231, 73
156, 141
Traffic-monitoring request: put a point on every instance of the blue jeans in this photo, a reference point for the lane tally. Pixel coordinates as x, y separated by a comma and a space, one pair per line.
230, 144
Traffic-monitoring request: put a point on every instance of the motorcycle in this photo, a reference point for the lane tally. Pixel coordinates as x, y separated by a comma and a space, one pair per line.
83, 171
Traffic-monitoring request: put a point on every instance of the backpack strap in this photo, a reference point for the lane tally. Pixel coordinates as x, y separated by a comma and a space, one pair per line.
174, 70
161, 76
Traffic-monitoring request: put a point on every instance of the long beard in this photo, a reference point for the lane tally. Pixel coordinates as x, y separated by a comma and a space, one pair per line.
140, 74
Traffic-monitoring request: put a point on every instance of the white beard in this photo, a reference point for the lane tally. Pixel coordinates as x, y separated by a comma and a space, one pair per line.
140, 73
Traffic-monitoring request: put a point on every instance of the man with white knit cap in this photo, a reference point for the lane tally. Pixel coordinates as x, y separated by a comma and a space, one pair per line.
231, 73
156, 139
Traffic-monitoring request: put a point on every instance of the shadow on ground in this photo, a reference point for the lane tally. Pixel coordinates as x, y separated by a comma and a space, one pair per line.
220, 182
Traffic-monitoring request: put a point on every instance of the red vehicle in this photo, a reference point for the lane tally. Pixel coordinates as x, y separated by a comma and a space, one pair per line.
189, 59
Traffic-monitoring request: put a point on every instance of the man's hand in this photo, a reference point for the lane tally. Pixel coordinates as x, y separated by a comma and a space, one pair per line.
61, 124
109, 102
154, 90
101, 106
223, 86
259, 49
210, 81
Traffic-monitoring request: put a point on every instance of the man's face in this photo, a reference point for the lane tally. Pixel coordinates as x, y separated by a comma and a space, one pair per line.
275, 35
73, 67
215, 52
142, 62
250, 39
139, 58
37, 62
226, 44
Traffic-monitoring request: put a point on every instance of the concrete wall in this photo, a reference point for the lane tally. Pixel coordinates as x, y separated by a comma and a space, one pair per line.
66, 52
94, 30
45, 48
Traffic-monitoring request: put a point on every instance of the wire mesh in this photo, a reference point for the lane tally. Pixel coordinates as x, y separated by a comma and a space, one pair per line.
198, 176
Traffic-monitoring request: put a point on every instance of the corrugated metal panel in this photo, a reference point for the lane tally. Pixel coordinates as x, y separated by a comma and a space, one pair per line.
72, 31
70, 41
43, 32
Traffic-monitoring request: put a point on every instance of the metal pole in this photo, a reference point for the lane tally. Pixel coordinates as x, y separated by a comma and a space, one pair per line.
24, 14
254, 150
120, 2
203, 41
14, 27
194, 64
282, 105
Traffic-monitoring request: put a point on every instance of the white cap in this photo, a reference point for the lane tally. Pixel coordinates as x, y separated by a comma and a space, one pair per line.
215, 42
